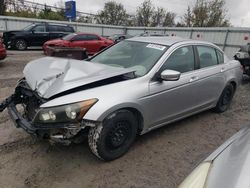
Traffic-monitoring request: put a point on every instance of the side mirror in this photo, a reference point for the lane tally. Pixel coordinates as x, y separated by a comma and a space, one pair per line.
170, 75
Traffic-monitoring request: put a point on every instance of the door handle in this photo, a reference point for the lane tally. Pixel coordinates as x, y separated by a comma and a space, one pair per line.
193, 78
222, 69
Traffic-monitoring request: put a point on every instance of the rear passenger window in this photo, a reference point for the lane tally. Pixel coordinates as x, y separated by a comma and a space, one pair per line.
93, 37
81, 38
181, 60
68, 29
220, 57
53, 28
207, 56
61, 28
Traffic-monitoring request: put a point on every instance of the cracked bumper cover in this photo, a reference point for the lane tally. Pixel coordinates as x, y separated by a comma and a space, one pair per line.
19, 120
31, 102
36, 129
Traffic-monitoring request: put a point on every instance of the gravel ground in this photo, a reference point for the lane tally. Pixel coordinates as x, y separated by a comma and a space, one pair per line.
161, 158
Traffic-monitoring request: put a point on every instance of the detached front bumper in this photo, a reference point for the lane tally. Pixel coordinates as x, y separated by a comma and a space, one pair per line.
23, 117
19, 121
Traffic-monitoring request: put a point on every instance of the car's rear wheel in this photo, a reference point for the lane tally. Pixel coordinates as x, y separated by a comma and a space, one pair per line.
225, 99
20, 44
113, 138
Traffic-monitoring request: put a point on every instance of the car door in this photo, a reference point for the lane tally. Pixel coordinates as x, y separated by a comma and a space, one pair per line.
39, 35
55, 32
94, 43
210, 73
80, 41
172, 100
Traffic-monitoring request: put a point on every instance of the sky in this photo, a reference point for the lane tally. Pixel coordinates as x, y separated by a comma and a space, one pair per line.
238, 11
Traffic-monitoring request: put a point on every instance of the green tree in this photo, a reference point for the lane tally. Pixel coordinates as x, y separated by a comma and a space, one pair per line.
144, 13
169, 19
206, 14
158, 17
188, 18
23, 13
217, 14
2, 7
112, 14
163, 18
47, 13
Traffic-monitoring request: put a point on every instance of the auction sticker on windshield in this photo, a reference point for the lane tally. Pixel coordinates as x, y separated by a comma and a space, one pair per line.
156, 46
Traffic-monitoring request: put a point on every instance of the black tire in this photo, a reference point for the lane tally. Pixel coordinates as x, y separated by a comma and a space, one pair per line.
113, 138
225, 99
21, 44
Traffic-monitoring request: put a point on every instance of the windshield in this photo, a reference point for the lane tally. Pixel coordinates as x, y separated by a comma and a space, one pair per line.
130, 54
69, 36
29, 27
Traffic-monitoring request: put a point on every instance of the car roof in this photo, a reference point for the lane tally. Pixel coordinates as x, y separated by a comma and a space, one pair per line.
167, 41
56, 24
86, 33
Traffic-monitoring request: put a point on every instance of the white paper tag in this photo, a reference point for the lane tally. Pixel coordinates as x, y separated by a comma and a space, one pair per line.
156, 46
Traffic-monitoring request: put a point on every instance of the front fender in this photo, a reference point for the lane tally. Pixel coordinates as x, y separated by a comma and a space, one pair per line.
100, 112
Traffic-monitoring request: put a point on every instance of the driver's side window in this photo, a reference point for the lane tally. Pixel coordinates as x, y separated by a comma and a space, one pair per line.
181, 60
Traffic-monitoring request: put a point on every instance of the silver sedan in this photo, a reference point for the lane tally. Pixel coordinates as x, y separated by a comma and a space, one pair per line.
131, 88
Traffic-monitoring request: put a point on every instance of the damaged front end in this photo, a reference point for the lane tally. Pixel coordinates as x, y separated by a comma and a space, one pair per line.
62, 124
58, 78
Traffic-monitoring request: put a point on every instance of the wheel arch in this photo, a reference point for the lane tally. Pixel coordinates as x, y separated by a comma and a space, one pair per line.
138, 116
135, 109
234, 84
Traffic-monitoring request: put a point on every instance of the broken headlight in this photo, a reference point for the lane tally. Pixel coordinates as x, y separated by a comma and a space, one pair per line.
70, 113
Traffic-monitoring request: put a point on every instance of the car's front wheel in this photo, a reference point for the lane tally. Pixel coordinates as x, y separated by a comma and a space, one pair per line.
225, 99
20, 44
113, 138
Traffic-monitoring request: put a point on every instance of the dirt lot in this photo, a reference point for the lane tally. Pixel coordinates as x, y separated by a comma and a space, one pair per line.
161, 158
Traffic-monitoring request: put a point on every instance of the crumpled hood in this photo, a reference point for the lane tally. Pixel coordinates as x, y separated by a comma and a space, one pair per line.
49, 76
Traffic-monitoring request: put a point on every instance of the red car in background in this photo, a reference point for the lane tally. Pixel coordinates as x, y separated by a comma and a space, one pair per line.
91, 42
2, 51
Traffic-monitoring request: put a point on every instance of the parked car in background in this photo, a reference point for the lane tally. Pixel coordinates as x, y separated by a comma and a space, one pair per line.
228, 166
243, 56
93, 43
2, 51
119, 37
35, 35
131, 88
147, 34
